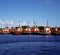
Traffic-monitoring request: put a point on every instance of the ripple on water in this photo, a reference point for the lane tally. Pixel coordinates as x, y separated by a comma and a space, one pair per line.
30, 48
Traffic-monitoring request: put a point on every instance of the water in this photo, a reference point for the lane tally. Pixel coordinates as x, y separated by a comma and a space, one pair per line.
29, 45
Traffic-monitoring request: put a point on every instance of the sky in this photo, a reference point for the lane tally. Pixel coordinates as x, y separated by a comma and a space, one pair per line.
13, 11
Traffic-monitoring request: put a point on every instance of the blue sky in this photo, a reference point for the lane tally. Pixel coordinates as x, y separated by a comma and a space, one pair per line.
11, 11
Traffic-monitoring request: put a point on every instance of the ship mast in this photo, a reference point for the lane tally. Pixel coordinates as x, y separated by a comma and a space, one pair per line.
6, 25
28, 24
47, 23
35, 24
19, 24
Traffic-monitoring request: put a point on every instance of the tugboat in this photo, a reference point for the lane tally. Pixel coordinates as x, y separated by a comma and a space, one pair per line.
17, 31
5, 31
12, 30
57, 31
47, 29
35, 29
28, 30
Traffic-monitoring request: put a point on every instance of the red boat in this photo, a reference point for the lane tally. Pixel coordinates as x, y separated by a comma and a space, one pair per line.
17, 31
28, 30
5, 31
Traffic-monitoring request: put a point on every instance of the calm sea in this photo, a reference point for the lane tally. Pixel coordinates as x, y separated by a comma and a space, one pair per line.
29, 45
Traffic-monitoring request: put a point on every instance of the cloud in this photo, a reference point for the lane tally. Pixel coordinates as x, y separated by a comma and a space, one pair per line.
22, 24
12, 23
1, 22
9, 22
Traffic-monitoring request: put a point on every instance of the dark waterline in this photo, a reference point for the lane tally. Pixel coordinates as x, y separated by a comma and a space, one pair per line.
29, 45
